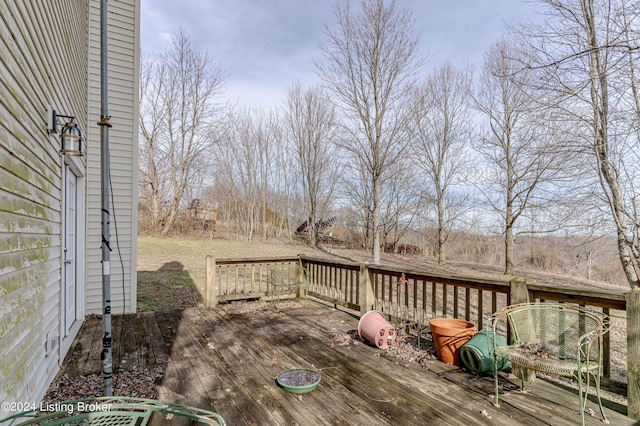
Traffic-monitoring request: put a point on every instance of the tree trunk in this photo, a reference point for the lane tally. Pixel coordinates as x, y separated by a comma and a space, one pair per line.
610, 176
508, 232
375, 249
508, 251
441, 226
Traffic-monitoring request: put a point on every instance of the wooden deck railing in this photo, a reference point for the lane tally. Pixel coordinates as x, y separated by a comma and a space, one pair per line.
240, 279
334, 281
407, 293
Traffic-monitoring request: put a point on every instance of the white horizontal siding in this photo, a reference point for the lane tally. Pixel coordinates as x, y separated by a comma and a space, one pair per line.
43, 62
123, 41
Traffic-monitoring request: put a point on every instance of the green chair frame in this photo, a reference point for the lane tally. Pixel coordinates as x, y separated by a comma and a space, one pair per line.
555, 338
285, 278
111, 411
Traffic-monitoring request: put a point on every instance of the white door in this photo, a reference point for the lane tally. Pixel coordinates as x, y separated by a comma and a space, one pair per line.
69, 247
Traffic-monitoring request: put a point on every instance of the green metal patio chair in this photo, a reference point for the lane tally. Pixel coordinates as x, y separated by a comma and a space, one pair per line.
555, 338
110, 411
288, 278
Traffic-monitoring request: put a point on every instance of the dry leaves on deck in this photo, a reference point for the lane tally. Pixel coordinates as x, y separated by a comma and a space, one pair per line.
137, 383
239, 308
405, 348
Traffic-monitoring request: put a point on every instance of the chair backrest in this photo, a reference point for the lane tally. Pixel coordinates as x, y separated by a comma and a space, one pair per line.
556, 329
288, 274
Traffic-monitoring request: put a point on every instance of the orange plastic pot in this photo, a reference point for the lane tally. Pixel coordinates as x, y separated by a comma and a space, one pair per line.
449, 334
374, 328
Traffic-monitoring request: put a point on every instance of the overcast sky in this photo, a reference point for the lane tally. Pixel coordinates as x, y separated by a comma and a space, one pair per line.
264, 45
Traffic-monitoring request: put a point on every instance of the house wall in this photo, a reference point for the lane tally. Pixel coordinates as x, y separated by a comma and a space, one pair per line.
44, 62
48, 59
123, 32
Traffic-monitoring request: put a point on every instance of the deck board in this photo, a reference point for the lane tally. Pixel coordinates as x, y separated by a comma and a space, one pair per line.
228, 363
157, 345
84, 355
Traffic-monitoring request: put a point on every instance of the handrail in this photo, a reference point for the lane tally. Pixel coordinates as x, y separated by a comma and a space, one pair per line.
612, 299
444, 278
256, 260
346, 264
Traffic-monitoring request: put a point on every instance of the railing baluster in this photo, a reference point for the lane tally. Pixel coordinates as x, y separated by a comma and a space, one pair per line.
434, 298
445, 298
480, 309
455, 301
606, 348
386, 280
467, 304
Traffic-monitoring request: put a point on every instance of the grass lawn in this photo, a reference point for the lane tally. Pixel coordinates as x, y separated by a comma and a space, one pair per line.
171, 271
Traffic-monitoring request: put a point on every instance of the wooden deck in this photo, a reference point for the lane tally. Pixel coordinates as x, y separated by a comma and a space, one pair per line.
228, 363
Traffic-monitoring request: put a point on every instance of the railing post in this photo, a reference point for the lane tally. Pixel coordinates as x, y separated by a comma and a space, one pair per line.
520, 294
302, 292
210, 291
367, 297
519, 290
633, 353
300, 278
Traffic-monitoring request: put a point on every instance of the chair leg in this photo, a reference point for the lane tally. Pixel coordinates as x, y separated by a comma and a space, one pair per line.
496, 401
583, 398
302, 292
596, 379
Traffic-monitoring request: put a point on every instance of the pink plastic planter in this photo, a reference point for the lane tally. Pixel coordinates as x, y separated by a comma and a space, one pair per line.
374, 328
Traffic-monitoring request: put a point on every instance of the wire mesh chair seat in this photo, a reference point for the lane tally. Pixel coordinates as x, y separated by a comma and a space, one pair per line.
554, 338
112, 411
559, 367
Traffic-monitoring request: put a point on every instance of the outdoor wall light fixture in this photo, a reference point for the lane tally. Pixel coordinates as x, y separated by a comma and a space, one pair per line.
71, 142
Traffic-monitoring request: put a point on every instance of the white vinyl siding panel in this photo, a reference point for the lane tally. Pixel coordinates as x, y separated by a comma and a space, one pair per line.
123, 42
43, 61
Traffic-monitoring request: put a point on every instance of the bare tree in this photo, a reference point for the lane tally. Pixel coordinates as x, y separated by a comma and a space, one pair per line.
152, 170
238, 160
355, 186
310, 122
399, 204
178, 110
249, 168
586, 57
282, 179
441, 131
518, 149
370, 61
